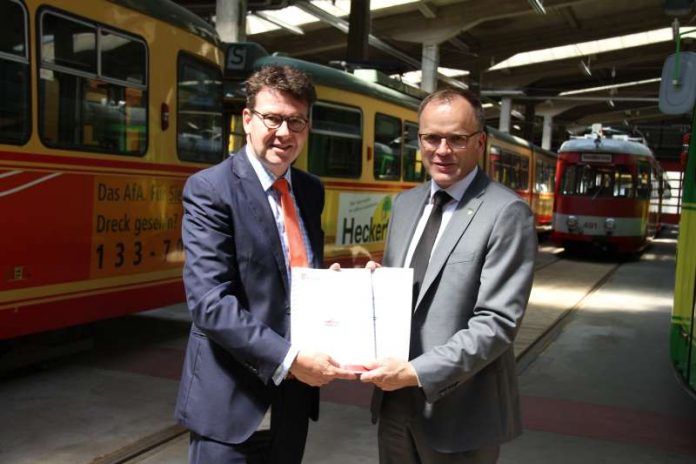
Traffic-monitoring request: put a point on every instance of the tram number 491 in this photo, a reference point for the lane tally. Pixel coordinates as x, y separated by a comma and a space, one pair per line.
590, 225
136, 253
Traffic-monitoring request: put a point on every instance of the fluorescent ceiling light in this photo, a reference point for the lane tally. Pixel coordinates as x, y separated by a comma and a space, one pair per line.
538, 6
414, 78
296, 17
283, 25
588, 48
290, 15
608, 87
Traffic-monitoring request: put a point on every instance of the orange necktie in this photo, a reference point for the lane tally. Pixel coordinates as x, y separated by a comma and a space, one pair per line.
297, 252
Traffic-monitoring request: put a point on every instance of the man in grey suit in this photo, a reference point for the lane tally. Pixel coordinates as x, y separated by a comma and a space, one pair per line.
472, 250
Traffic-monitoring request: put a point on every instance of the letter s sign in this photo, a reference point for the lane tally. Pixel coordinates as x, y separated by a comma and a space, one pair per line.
236, 58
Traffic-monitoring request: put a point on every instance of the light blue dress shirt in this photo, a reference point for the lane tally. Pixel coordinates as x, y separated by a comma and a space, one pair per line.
267, 178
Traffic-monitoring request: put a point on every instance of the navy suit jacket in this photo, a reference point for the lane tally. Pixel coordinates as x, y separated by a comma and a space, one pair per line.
238, 295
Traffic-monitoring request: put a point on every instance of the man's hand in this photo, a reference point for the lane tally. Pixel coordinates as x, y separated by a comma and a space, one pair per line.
390, 374
372, 265
317, 369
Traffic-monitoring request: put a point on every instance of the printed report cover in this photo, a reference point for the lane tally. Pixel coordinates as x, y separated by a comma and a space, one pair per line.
353, 315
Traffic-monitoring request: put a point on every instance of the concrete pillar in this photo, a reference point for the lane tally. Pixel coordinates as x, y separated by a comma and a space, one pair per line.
358, 31
528, 132
547, 132
429, 63
550, 110
230, 20
505, 110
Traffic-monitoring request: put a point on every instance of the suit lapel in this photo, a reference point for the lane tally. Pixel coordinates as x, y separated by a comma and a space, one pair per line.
409, 220
304, 203
257, 201
458, 224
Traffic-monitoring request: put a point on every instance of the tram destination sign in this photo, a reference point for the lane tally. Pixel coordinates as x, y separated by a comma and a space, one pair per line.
596, 157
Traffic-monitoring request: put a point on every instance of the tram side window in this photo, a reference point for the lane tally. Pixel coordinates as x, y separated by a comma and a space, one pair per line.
388, 144
643, 180
92, 87
237, 137
335, 141
545, 173
14, 74
510, 169
199, 111
413, 166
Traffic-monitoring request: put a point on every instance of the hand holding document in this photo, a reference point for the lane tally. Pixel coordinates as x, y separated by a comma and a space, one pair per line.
354, 315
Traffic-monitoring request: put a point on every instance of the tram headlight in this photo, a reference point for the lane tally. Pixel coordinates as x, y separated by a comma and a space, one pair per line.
610, 225
572, 223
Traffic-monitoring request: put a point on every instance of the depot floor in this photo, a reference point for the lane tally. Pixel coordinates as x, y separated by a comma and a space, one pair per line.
599, 388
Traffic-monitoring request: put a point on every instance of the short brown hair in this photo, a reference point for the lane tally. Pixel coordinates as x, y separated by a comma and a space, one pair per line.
283, 78
447, 94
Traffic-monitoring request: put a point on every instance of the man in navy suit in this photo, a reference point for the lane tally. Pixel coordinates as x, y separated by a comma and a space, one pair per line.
246, 394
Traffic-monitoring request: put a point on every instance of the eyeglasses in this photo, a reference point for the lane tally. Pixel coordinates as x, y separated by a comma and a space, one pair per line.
455, 141
274, 121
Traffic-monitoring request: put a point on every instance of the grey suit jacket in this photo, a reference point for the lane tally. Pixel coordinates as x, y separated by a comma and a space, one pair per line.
470, 307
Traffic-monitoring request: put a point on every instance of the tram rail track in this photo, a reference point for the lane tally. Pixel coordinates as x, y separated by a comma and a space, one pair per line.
139, 450
531, 352
131, 453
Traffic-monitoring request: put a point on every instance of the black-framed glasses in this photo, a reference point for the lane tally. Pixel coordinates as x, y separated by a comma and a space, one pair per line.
455, 141
274, 121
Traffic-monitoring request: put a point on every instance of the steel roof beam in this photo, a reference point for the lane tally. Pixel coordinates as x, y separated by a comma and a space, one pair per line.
343, 26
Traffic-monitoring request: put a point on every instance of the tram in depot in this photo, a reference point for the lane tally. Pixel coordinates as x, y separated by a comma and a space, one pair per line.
116, 103
363, 144
608, 194
683, 327
527, 169
678, 97
106, 107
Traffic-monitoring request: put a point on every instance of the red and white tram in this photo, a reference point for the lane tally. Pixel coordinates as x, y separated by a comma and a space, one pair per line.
608, 194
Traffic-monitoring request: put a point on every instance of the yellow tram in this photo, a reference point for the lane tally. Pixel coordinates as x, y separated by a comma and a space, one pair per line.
363, 143
115, 103
105, 108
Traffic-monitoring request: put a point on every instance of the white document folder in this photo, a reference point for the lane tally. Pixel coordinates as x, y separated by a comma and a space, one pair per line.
353, 315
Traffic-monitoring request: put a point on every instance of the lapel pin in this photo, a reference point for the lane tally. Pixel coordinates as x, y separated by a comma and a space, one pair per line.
469, 211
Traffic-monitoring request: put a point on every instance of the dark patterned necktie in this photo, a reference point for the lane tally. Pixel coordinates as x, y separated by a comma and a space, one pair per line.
421, 256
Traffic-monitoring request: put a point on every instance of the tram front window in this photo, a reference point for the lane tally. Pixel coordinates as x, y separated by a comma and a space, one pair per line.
597, 181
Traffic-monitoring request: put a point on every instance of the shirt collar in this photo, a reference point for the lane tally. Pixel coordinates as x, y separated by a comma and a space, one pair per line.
266, 177
456, 190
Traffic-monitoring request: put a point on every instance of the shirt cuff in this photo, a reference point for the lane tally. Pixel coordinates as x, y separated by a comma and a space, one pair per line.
282, 370
420, 385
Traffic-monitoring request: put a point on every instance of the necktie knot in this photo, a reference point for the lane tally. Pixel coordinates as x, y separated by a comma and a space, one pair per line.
441, 198
281, 186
